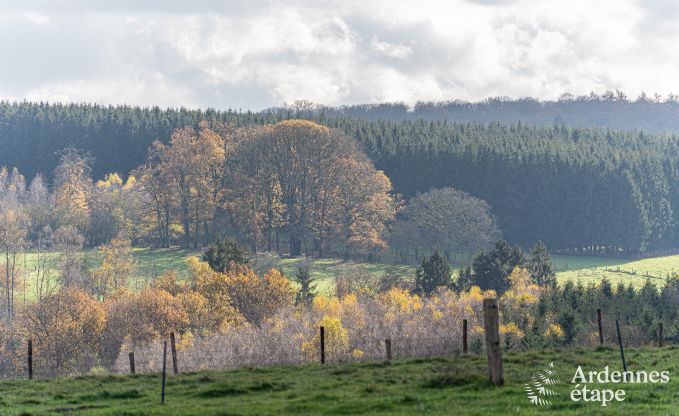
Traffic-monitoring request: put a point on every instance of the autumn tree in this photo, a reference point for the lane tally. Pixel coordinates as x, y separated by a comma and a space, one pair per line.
156, 197
73, 190
69, 243
65, 328
315, 182
113, 208
117, 265
14, 226
192, 165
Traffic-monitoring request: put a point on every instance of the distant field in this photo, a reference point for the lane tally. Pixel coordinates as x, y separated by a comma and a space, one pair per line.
324, 270
635, 272
435, 386
151, 263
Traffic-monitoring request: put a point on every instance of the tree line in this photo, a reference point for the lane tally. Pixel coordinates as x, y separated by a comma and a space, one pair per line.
294, 186
576, 189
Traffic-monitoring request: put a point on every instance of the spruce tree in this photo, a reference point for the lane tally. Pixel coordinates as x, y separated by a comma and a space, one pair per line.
433, 273
540, 265
222, 252
307, 286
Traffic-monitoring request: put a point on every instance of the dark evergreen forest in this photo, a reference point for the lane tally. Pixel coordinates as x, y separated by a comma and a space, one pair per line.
609, 110
573, 188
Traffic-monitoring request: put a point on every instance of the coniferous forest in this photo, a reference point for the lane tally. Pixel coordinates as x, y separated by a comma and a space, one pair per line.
581, 190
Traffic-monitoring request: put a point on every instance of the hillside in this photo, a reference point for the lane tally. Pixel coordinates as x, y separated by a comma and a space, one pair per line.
436, 386
573, 188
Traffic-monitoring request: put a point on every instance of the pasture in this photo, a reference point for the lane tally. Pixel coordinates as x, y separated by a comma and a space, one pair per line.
151, 263
433, 386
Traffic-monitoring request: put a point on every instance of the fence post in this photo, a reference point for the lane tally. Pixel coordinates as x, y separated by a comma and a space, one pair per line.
622, 350
30, 359
660, 336
132, 369
322, 345
162, 389
601, 328
173, 347
491, 326
387, 349
464, 336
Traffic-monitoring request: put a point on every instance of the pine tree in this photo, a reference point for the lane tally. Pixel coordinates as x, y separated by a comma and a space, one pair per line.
540, 265
222, 252
307, 284
433, 273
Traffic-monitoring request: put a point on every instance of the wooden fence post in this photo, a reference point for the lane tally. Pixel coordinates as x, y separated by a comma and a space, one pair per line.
322, 345
622, 350
132, 369
173, 347
387, 349
30, 359
491, 326
162, 389
601, 328
464, 336
660, 336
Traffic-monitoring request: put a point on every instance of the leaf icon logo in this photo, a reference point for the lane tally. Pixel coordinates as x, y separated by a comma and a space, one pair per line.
538, 390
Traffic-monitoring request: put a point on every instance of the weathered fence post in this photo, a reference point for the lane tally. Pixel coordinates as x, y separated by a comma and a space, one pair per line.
322, 345
162, 389
30, 359
601, 328
173, 347
660, 336
622, 350
491, 326
132, 369
387, 349
464, 336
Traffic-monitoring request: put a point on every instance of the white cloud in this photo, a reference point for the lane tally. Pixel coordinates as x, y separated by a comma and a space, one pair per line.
390, 49
259, 54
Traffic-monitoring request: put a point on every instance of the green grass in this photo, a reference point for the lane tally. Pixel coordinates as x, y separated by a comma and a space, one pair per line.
635, 272
324, 270
437, 386
149, 264
153, 262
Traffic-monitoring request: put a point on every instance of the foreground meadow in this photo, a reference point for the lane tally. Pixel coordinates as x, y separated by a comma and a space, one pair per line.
434, 386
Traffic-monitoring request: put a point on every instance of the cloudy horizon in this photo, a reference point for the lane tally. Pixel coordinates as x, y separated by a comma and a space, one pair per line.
254, 55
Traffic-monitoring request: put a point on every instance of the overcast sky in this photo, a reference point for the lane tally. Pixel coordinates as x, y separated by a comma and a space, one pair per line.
260, 54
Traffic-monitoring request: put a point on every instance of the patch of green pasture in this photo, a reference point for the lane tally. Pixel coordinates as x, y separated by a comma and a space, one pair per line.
324, 270
432, 386
635, 272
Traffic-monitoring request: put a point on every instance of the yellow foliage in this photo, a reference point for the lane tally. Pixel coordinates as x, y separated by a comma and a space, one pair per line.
554, 331
336, 339
511, 329
357, 353
325, 305
401, 300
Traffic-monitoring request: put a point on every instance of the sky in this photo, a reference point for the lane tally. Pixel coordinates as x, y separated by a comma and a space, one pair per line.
260, 54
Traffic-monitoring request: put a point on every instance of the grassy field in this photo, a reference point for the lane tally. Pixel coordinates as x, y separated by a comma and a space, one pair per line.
437, 386
636, 272
151, 263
